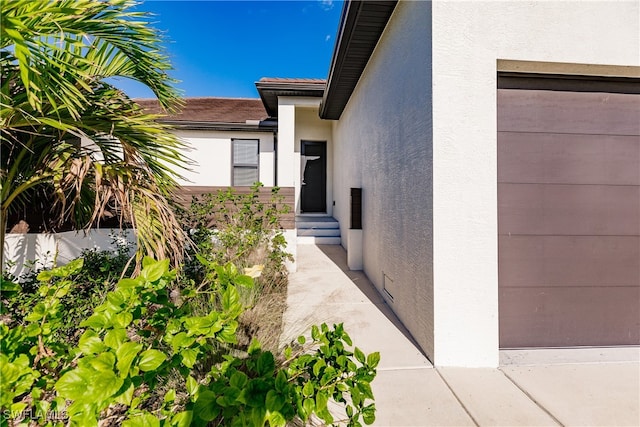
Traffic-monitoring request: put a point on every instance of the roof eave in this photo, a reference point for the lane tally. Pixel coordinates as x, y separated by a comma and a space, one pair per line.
262, 126
361, 25
270, 91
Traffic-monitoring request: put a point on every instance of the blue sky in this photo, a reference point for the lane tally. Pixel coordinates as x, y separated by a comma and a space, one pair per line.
220, 48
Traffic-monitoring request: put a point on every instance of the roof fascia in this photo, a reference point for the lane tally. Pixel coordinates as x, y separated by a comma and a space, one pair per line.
270, 92
340, 86
263, 126
299, 101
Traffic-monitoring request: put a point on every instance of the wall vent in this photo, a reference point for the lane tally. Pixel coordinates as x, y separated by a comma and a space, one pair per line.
386, 285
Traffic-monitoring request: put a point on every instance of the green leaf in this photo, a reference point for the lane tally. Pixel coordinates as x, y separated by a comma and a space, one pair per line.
373, 359
123, 319
369, 414
239, 379
244, 281
309, 406
349, 411
266, 364
360, 355
192, 386
318, 366
103, 362
74, 384
182, 419
347, 339
274, 401
151, 360
326, 416
104, 384
125, 355
301, 340
230, 299
154, 270
180, 340
126, 396
254, 347
142, 420
90, 343
365, 388
72, 267
170, 395
281, 381
115, 337
189, 357
307, 390
205, 406
8, 289
96, 321
321, 401
117, 298
128, 283
276, 419
37, 313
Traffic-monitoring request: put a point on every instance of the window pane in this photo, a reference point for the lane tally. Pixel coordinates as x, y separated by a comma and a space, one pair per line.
245, 152
245, 175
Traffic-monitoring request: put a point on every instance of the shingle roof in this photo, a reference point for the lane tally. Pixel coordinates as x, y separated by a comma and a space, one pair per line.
213, 110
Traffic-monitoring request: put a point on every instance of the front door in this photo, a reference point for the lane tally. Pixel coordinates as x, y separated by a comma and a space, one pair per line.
313, 191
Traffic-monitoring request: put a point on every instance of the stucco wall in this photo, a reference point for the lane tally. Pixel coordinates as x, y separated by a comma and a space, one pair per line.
298, 120
468, 39
423, 149
309, 127
211, 154
382, 143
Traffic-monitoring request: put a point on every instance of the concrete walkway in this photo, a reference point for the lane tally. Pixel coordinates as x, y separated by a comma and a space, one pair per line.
594, 387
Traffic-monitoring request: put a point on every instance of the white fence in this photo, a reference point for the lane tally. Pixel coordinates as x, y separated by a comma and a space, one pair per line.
25, 250
22, 251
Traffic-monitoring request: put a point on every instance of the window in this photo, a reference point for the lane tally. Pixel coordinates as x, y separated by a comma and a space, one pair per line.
245, 162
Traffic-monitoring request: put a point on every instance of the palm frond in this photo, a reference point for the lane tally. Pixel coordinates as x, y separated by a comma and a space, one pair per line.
63, 128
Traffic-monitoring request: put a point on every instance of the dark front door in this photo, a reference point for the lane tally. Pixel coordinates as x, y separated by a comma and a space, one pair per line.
313, 192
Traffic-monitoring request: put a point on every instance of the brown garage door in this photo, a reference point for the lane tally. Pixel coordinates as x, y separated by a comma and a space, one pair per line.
568, 212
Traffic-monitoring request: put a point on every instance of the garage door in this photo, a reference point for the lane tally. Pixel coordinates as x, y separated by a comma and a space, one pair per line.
568, 212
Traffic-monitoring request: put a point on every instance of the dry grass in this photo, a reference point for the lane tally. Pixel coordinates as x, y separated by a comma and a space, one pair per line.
263, 321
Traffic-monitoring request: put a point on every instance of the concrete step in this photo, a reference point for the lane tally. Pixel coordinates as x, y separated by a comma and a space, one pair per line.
319, 232
311, 240
316, 222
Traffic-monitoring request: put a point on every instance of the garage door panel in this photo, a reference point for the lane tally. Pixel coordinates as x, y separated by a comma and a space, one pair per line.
559, 317
533, 261
568, 159
568, 112
568, 211
548, 209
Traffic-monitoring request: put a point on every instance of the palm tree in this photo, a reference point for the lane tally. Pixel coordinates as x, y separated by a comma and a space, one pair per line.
68, 133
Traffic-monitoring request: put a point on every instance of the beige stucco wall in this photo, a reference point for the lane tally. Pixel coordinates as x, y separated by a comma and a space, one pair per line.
298, 120
419, 136
211, 153
309, 127
382, 143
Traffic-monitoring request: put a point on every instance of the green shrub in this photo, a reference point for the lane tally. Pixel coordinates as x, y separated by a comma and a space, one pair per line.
99, 273
246, 230
137, 361
238, 228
